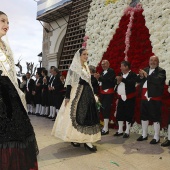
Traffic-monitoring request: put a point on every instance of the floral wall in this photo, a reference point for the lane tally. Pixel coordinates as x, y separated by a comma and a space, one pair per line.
118, 31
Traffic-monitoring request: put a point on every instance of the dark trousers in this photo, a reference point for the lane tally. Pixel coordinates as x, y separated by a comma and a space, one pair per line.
151, 110
29, 98
45, 98
50, 98
125, 110
106, 101
38, 98
57, 99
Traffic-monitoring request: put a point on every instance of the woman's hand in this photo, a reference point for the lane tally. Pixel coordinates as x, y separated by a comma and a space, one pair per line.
66, 101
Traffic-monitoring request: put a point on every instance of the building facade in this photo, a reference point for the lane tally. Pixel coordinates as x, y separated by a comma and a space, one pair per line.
54, 16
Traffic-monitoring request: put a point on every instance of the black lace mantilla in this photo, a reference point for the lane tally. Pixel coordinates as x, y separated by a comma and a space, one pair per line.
84, 113
16, 130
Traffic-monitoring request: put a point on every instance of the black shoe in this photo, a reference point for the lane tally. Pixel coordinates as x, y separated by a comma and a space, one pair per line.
37, 114
153, 141
104, 133
166, 143
53, 119
126, 135
29, 113
93, 149
118, 134
141, 138
75, 144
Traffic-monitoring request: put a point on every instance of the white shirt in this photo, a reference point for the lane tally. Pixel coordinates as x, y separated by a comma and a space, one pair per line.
121, 88
28, 80
145, 84
52, 82
37, 81
100, 83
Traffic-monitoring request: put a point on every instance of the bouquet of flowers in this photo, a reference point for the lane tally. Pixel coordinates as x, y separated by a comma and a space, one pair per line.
98, 104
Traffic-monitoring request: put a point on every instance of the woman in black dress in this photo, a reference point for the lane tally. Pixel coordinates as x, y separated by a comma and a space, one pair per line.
18, 146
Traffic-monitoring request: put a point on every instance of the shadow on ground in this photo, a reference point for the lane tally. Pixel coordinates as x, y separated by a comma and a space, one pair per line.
63, 151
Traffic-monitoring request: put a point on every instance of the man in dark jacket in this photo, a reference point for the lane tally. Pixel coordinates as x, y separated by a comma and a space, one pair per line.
30, 86
152, 80
56, 88
50, 98
126, 91
37, 93
106, 79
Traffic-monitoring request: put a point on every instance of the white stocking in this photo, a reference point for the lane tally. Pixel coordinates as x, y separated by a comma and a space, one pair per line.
145, 128
46, 110
31, 108
168, 132
51, 111
120, 130
127, 127
54, 109
42, 110
40, 107
37, 108
106, 122
157, 130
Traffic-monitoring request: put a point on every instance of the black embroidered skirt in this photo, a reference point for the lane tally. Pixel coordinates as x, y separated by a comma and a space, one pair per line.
84, 114
18, 146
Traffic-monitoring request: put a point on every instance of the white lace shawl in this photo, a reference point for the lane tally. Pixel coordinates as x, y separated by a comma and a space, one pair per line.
7, 65
76, 71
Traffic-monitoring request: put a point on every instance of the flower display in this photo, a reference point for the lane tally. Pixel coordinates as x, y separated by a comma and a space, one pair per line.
104, 21
110, 1
120, 32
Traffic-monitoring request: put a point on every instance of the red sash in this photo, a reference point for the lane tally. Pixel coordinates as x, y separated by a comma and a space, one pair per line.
129, 96
109, 91
144, 90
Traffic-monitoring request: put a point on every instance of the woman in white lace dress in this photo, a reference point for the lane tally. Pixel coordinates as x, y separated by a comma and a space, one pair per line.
78, 120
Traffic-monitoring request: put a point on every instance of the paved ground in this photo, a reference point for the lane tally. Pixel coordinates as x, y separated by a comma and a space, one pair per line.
113, 153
